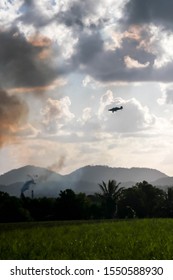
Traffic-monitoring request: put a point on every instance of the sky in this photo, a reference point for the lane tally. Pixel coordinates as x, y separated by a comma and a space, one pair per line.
64, 63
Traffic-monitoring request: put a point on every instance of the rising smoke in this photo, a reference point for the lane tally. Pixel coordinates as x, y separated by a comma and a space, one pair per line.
13, 114
58, 165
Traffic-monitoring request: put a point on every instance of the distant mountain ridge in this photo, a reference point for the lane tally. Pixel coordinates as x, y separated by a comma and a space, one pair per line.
98, 173
22, 174
84, 179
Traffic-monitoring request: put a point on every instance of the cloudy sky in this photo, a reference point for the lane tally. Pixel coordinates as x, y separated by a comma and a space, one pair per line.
64, 63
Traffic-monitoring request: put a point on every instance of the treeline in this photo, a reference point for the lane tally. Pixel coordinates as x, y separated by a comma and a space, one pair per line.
140, 201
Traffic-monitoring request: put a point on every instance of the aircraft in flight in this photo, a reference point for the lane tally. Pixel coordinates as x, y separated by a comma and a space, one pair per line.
114, 109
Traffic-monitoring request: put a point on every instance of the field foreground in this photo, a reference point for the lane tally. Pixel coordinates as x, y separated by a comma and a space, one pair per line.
126, 240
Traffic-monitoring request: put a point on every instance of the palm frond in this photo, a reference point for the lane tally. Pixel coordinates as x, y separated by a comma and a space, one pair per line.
110, 190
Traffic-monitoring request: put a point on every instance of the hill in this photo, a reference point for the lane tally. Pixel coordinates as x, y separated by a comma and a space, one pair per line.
22, 174
98, 173
164, 182
85, 179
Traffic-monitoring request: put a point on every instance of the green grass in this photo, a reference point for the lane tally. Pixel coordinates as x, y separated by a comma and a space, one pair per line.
126, 240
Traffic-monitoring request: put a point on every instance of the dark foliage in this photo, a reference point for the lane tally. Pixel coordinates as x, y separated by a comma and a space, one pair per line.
142, 200
12, 210
109, 196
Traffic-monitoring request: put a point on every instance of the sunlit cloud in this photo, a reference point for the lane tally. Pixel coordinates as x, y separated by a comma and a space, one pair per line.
55, 84
132, 63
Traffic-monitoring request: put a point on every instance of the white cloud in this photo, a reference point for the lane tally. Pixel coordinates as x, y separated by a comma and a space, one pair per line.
86, 115
134, 118
62, 37
56, 114
132, 63
109, 99
167, 94
86, 81
9, 12
159, 42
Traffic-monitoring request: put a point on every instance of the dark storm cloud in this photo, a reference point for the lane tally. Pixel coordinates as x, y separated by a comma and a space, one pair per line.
88, 47
146, 11
77, 12
109, 65
20, 64
13, 114
106, 65
74, 16
90, 55
31, 15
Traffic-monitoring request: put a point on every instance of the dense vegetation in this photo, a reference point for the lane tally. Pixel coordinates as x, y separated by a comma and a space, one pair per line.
142, 201
118, 239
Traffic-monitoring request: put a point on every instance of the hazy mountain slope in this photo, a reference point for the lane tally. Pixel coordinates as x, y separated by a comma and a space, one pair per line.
21, 175
166, 181
98, 173
85, 179
12, 189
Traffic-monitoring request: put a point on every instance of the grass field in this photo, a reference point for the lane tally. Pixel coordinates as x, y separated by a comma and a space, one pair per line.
131, 239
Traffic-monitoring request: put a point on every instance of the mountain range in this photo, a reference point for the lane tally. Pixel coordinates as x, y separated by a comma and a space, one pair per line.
84, 179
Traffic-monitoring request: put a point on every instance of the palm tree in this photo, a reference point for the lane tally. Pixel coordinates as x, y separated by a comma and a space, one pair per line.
109, 197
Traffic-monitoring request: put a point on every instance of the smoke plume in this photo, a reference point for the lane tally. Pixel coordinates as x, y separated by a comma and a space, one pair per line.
57, 166
13, 114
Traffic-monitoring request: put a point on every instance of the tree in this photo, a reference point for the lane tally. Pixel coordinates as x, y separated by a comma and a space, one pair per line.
72, 206
109, 197
145, 199
132, 198
152, 198
12, 210
168, 203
